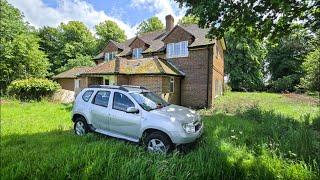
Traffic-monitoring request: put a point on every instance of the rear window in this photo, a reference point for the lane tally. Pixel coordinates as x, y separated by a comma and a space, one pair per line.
86, 96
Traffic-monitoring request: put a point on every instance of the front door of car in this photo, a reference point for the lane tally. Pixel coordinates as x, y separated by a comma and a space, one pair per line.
121, 122
99, 110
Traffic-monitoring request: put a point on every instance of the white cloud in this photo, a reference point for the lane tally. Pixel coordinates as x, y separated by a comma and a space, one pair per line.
39, 14
161, 8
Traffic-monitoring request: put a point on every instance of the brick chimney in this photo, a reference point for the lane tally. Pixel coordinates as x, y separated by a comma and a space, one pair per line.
169, 23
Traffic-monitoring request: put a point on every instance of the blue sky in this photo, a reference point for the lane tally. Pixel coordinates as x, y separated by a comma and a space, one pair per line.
127, 13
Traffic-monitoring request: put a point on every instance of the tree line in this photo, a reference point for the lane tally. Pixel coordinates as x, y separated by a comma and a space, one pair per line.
283, 60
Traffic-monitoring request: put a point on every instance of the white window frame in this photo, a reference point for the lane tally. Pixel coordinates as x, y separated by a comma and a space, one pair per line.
136, 54
179, 49
110, 55
171, 82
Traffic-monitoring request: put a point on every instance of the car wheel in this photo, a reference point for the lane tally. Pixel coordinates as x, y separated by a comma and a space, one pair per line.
158, 142
80, 126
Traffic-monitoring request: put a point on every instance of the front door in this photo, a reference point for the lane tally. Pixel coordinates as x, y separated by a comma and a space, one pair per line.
122, 122
100, 111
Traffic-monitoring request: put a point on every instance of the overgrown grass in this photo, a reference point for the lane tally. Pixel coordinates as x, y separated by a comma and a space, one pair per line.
247, 136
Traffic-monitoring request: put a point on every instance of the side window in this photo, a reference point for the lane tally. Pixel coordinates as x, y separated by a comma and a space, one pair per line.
101, 98
121, 102
86, 96
171, 84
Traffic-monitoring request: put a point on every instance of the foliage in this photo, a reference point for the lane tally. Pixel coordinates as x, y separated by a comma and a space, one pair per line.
187, 20
285, 58
243, 62
109, 30
79, 61
263, 18
67, 42
20, 55
232, 147
152, 24
311, 67
32, 89
284, 84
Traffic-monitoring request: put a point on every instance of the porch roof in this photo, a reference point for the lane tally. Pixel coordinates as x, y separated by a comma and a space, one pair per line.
143, 66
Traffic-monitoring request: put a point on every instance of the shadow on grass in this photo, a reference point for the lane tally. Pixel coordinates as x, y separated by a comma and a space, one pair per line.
252, 144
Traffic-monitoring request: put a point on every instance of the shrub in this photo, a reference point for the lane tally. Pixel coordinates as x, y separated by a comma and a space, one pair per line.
32, 89
286, 83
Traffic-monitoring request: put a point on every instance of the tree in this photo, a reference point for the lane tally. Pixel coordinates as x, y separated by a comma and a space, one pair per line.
187, 20
50, 43
243, 62
109, 30
152, 24
65, 42
284, 60
79, 61
311, 67
263, 17
20, 55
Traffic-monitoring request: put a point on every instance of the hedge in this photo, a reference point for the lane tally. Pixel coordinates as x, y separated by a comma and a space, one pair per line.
32, 89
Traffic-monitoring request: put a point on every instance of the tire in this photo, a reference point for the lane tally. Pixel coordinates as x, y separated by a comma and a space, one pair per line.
80, 126
158, 142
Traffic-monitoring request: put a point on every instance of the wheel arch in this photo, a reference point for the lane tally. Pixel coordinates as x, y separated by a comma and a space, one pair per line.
153, 129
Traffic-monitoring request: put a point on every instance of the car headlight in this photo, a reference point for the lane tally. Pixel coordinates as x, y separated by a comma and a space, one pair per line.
189, 128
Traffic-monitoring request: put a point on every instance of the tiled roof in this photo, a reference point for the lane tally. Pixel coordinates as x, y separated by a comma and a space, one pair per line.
151, 65
154, 40
72, 73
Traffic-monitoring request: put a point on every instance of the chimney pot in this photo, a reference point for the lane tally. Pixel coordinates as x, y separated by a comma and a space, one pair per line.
169, 23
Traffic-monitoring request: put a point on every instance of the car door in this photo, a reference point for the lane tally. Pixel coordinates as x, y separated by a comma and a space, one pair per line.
122, 122
99, 110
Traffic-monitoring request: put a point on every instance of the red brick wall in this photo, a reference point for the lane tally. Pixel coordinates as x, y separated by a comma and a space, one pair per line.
110, 47
122, 80
153, 83
194, 84
177, 35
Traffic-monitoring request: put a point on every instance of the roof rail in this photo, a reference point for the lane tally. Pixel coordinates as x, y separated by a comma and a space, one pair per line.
104, 86
132, 86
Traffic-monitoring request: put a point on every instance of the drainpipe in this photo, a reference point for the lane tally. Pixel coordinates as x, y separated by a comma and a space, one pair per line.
208, 74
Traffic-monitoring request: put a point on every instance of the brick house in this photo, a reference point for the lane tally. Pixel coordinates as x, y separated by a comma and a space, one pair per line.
179, 63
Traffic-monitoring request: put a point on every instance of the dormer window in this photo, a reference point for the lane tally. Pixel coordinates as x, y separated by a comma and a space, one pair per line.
179, 49
110, 56
137, 53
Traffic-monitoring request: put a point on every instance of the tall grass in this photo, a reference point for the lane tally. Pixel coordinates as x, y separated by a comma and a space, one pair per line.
247, 142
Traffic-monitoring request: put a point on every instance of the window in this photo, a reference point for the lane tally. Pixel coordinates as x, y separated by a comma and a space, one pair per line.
179, 49
106, 82
101, 98
110, 56
171, 85
121, 102
86, 96
137, 53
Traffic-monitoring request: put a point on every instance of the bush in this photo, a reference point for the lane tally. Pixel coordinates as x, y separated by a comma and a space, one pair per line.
32, 89
286, 83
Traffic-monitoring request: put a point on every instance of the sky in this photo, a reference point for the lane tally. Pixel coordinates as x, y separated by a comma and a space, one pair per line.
126, 13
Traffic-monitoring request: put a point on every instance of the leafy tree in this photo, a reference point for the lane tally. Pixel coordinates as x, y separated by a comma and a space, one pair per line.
152, 24
20, 55
285, 58
263, 17
311, 66
109, 30
243, 62
50, 43
65, 42
79, 61
187, 20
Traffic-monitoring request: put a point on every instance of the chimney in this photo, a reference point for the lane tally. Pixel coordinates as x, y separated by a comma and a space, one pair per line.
169, 23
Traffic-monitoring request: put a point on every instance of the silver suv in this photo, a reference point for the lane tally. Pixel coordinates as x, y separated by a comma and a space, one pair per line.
135, 114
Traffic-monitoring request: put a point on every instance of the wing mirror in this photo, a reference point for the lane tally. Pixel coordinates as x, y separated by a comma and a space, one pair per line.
132, 110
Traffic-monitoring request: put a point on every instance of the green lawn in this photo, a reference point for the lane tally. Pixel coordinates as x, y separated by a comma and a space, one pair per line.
247, 136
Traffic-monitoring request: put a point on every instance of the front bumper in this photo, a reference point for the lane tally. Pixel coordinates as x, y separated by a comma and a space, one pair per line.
184, 138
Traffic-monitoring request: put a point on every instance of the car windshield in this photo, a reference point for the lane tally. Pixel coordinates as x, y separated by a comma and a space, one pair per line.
149, 100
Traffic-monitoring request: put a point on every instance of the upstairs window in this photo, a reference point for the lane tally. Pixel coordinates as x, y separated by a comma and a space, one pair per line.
137, 53
110, 56
179, 49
